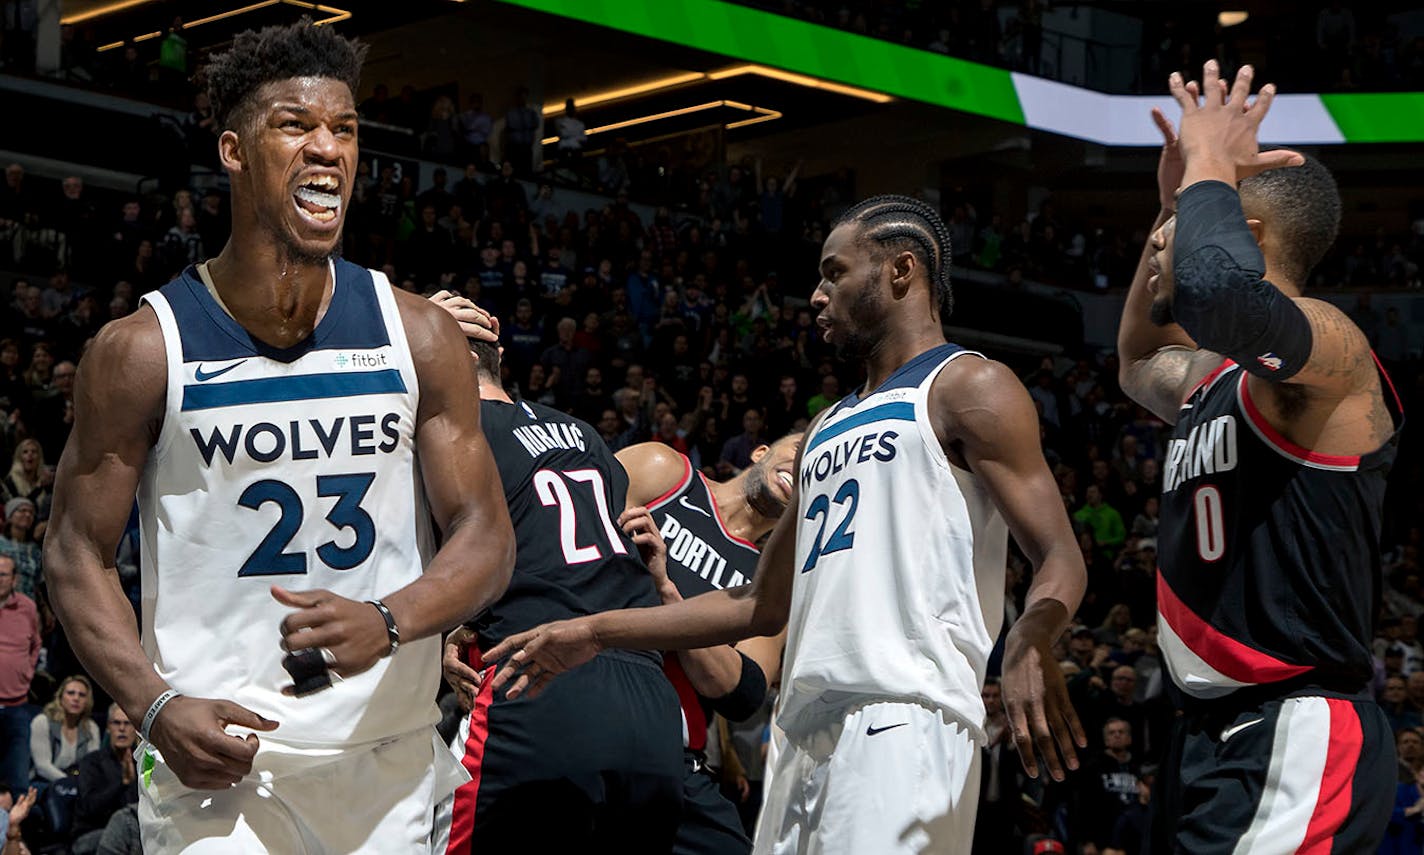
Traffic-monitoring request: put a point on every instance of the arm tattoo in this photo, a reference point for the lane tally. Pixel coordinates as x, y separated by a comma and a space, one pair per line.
1341, 354
1161, 380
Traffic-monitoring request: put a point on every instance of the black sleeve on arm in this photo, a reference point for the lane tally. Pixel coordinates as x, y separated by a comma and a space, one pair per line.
1220, 297
742, 702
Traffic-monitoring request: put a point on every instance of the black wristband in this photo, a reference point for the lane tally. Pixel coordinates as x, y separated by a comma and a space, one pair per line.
392, 632
742, 702
308, 670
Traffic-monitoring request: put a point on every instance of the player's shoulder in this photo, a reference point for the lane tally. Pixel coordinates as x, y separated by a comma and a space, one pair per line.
130, 345
654, 469
976, 398
973, 378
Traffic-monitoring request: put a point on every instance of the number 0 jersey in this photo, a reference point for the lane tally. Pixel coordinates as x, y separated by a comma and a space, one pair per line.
292, 467
1268, 553
565, 490
900, 560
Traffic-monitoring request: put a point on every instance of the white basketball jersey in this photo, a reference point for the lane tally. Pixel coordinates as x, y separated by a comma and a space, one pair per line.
291, 467
899, 563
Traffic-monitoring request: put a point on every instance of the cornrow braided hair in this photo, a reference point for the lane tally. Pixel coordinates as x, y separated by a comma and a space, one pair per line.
902, 223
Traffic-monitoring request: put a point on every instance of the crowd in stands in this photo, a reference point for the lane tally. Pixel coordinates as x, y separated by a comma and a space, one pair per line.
1351, 46
696, 335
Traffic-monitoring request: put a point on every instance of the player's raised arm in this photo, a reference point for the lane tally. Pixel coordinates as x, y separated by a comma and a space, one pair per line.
988, 414
119, 398
1158, 362
1226, 296
718, 617
474, 564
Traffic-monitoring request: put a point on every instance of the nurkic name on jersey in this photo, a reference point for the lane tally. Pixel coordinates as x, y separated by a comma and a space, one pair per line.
273, 467
900, 560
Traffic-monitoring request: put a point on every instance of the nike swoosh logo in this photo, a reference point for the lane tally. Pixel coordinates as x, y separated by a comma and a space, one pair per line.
1235, 729
872, 730
204, 376
691, 507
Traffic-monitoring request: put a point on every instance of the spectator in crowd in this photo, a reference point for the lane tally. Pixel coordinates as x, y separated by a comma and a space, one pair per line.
29, 477
442, 132
1109, 787
830, 393
19, 652
65, 731
108, 781
1409, 748
14, 810
1400, 711
737, 452
1102, 520
475, 128
521, 125
573, 135
1406, 822
18, 544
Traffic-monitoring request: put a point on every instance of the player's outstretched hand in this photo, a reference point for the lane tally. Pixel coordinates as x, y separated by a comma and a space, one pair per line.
461, 677
1222, 127
475, 322
542, 653
191, 733
354, 633
638, 524
1039, 711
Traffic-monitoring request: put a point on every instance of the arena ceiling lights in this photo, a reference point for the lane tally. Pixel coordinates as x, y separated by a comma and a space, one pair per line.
828, 55
333, 15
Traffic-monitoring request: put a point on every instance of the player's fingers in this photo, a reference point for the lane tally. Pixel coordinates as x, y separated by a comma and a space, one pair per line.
1182, 92
1018, 729
231, 713
632, 514
1164, 125
508, 646
461, 673
300, 599
518, 688
1277, 159
1262, 105
1241, 87
1043, 739
1211, 82
305, 637
440, 296
541, 684
1070, 714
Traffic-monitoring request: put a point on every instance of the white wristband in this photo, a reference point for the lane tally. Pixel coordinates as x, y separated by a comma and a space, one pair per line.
153, 710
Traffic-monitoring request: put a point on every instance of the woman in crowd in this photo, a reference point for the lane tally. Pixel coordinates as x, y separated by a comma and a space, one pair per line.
65, 731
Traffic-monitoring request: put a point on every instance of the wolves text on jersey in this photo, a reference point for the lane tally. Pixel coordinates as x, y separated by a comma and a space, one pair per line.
306, 439
858, 449
1209, 448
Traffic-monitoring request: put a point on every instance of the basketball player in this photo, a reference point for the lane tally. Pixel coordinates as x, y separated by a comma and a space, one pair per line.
592, 765
1273, 485
711, 529
268, 408
891, 570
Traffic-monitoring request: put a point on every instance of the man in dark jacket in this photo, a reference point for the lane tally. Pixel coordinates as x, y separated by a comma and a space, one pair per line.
107, 782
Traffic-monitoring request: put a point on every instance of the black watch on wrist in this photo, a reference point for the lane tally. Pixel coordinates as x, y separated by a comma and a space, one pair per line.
392, 632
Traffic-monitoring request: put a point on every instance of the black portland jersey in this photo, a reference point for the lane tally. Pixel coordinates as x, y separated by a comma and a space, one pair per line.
565, 491
702, 556
1268, 552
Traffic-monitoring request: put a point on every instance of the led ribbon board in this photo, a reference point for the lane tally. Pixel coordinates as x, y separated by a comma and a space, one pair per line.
849, 58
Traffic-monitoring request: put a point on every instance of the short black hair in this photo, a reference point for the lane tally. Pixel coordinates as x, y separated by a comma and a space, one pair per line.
488, 352
258, 57
1302, 206
899, 223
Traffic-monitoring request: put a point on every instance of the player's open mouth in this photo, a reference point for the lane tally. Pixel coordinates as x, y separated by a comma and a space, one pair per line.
784, 478
318, 199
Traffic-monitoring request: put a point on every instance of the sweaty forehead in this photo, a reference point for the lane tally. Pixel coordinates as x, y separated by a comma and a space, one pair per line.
313, 93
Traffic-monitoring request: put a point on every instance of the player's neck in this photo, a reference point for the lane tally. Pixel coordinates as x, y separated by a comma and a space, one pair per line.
897, 347
737, 513
277, 299
490, 391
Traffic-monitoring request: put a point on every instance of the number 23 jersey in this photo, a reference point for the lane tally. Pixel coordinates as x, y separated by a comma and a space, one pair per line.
900, 560
292, 467
1268, 553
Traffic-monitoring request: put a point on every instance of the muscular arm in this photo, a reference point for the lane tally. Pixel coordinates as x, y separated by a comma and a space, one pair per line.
987, 415
473, 567
118, 406
653, 470
981, 411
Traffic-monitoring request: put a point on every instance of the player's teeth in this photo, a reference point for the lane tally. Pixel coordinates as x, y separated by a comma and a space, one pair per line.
318, 197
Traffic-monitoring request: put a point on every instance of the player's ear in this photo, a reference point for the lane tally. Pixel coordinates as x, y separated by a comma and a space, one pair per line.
759, 452
901, 271
1258, 231
230, 151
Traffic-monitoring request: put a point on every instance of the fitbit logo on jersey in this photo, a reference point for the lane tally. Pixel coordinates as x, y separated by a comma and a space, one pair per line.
1208, 449
360, 360
265, 442
860, 449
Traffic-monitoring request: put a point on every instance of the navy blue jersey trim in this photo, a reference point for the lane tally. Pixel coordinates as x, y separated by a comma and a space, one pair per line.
302, 387
352, 321
899, 410
909, 375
